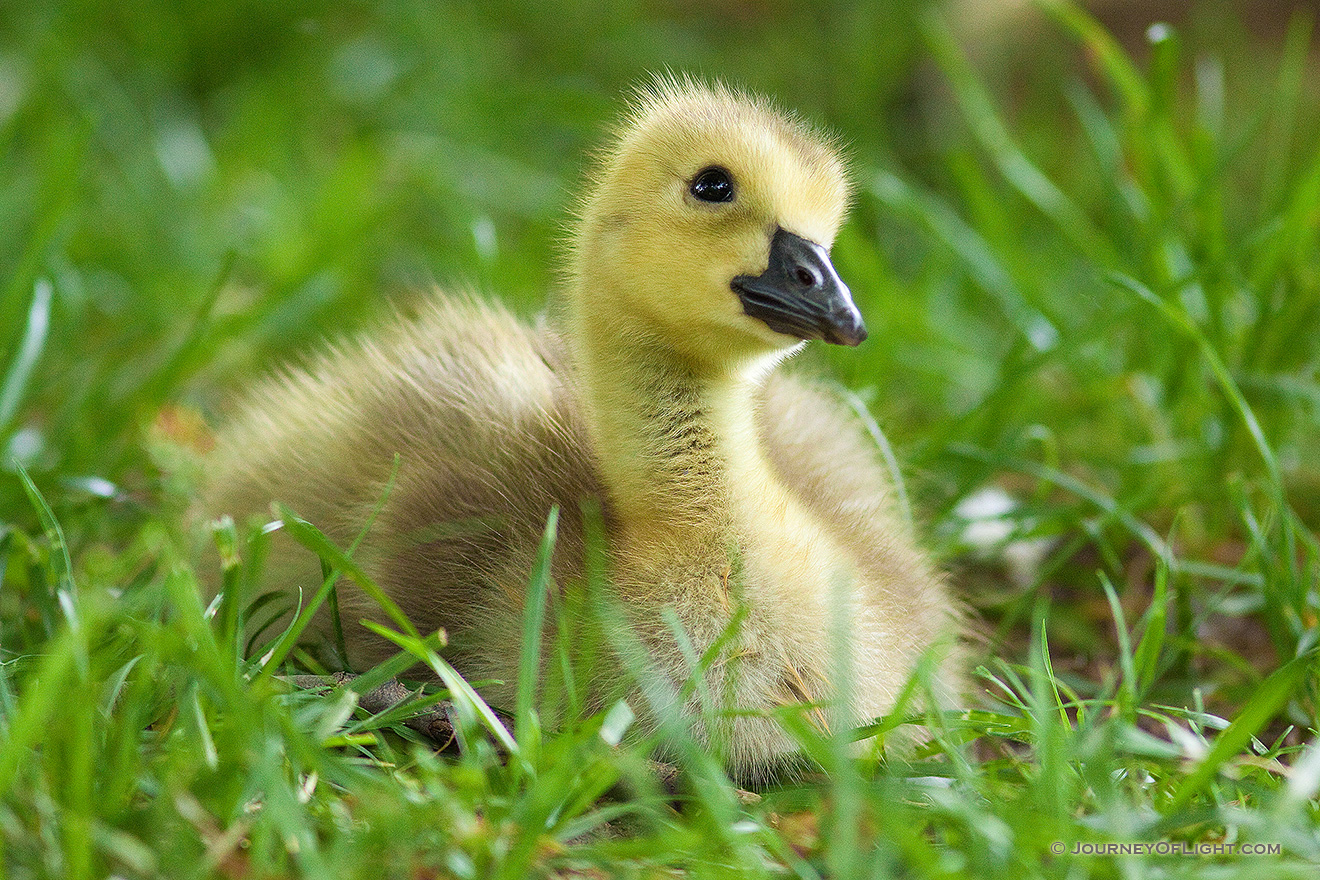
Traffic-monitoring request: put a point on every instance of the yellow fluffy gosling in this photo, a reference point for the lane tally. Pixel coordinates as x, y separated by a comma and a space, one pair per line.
699, 261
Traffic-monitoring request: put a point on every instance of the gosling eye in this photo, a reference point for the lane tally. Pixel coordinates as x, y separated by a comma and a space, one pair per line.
712, 184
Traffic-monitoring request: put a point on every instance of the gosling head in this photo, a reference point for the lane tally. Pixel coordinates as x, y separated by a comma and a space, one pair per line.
706, 232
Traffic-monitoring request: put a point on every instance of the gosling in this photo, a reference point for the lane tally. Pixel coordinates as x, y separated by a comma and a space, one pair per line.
698, 262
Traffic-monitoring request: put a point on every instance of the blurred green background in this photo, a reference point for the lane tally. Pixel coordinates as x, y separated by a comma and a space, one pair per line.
314, 159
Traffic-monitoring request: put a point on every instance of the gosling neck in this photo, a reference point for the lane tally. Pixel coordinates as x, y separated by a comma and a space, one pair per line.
664, 431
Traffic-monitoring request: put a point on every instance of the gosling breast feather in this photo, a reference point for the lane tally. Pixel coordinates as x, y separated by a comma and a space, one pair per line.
699, 260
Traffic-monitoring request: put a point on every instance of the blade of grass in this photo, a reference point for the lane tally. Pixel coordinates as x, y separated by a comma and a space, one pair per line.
696, 680
66, 591
529, 662
209, 752
395, 665
882, 443
1152, 635
1118, 67
1283, 119
66, 161
977, 257
472, 710
334, 561
1181, 322
29, 351
225, 536
313, 539
1050, 726
7, 699
60, 563
1264, 704
37, 707
1047, 673
336, 621
978, 109
395, 715
1127, 688
1105, 503
274, 658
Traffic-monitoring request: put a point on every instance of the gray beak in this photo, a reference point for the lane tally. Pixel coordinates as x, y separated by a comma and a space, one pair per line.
799, 293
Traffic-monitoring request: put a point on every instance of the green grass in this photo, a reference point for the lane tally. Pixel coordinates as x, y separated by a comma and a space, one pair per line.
1092, 274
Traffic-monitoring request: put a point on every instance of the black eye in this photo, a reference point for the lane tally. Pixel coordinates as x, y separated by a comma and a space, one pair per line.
712, 185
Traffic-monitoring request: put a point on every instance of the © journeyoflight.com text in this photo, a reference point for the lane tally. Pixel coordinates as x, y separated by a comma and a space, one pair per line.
1166, 848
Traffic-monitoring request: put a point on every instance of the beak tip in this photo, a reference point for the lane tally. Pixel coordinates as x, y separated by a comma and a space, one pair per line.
846, 327
851, 336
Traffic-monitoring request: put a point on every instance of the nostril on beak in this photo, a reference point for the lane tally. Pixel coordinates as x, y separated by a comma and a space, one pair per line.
806, 277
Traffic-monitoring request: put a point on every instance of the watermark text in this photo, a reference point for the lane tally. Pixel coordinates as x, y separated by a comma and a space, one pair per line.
1164, 848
